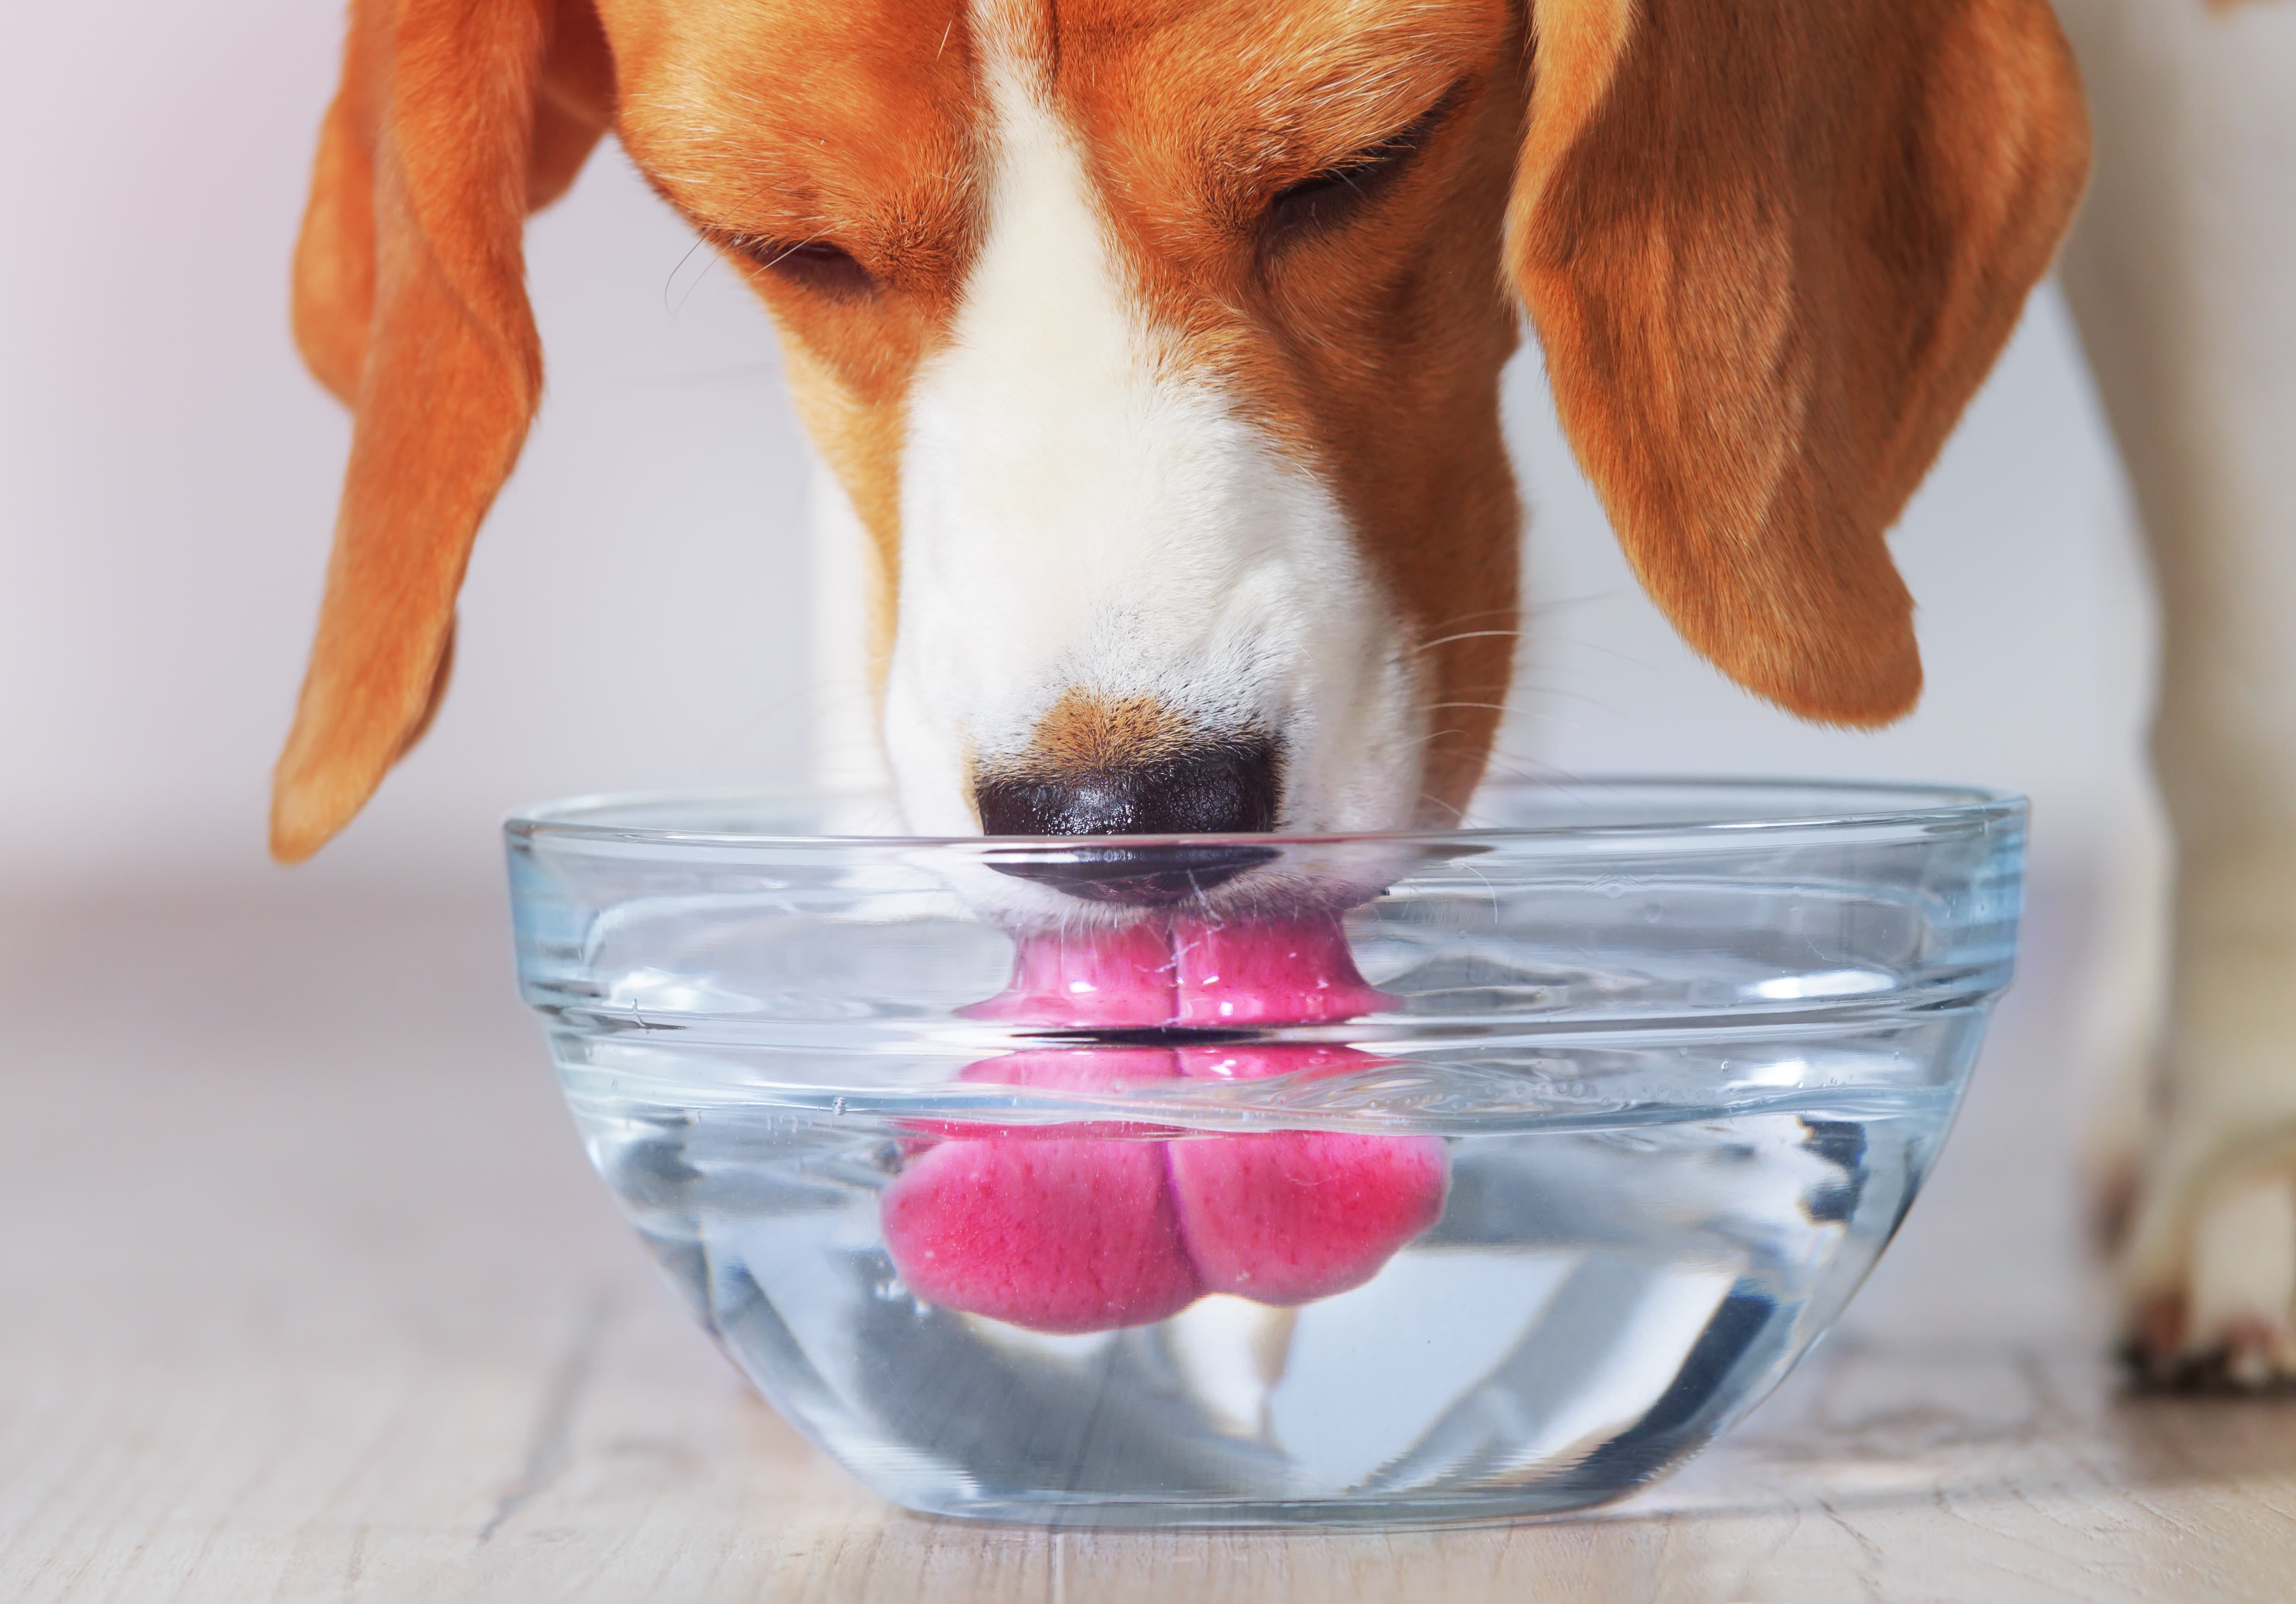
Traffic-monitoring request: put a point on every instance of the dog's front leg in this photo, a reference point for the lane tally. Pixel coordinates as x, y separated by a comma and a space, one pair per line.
2179, 274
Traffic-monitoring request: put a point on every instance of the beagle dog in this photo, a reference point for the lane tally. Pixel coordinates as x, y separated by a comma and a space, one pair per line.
1155, 345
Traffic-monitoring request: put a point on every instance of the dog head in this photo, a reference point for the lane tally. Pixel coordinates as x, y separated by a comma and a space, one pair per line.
1157, 345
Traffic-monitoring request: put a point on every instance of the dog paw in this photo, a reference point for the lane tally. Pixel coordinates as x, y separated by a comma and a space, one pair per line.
2212, 1281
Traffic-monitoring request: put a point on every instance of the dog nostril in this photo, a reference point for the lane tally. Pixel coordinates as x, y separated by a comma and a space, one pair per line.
1224, 789
1227, 789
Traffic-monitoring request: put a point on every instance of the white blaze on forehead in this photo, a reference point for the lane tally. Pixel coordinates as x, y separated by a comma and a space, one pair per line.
1080, 512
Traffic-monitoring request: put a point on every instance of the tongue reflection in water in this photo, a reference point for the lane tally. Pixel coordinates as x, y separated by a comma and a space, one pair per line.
1090, 1227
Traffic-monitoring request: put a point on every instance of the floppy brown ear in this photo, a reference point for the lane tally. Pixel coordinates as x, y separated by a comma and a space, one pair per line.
454, 120
1771, 248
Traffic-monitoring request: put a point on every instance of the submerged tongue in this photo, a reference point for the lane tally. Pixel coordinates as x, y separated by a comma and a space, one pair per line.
1290, 1217
1041, 1228
1092, 1227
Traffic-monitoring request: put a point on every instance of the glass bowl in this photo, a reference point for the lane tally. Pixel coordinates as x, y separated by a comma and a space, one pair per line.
1479, 1172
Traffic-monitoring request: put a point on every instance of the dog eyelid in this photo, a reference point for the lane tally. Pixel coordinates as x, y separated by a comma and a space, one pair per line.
1326, 197
816, 265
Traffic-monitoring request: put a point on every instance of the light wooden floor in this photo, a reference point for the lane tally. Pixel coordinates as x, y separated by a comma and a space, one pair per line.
307, 1293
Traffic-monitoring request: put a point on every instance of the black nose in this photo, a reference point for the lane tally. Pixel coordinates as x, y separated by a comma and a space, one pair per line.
1227, 788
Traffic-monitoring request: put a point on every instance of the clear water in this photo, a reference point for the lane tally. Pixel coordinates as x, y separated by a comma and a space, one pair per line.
1605, 1289
1681, 1054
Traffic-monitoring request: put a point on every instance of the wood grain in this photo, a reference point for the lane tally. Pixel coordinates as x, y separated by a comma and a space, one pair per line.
309, 1295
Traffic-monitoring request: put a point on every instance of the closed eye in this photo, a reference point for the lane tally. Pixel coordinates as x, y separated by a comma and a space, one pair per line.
1325, 200
814, 265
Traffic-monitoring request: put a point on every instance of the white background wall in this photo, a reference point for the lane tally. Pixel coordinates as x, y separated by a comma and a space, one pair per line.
637, 612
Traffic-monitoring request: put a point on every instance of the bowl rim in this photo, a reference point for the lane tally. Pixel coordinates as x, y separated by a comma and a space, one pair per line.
1927, 805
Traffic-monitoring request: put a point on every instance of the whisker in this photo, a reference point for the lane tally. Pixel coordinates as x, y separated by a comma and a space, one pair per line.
1530, 768
1523, 610
672, 279
1557, 603
1469, 634
1542, 713
1469, 617
1581, 643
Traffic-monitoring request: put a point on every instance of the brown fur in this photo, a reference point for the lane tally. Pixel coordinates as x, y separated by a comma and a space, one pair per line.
1085, 733
1771, 247
410, 304
1769, 266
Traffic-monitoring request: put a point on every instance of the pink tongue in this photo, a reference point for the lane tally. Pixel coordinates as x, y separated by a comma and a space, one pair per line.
1046, 1230
1057, 1230
1186, 972
1295, 1216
